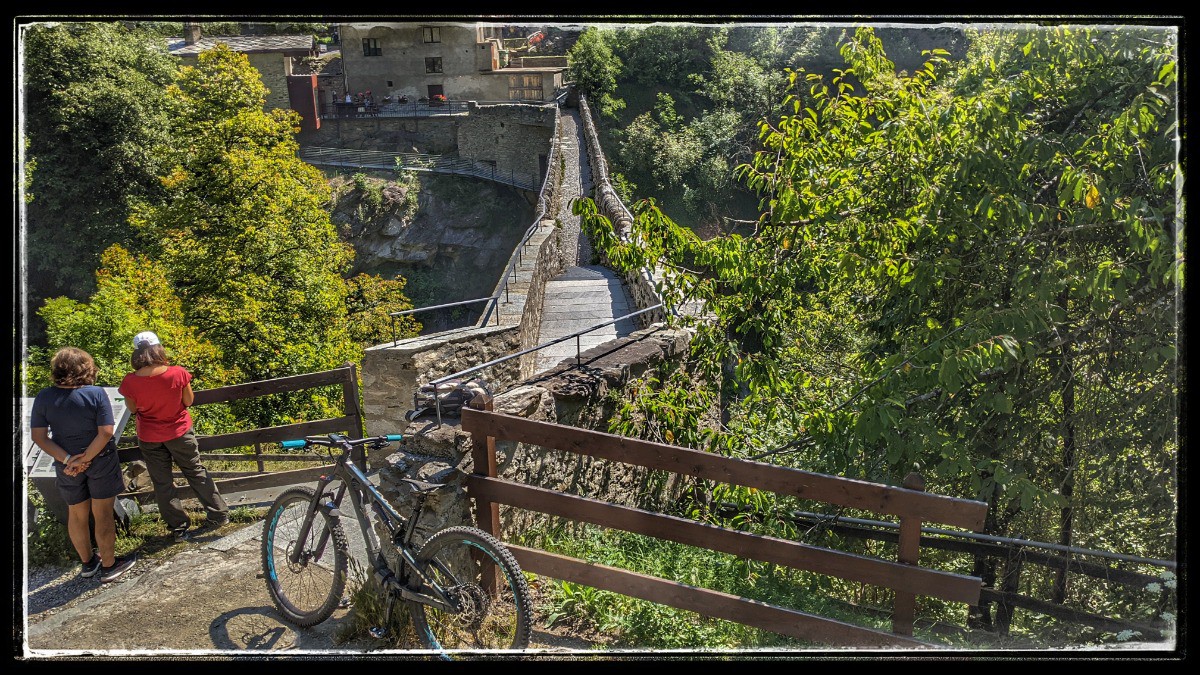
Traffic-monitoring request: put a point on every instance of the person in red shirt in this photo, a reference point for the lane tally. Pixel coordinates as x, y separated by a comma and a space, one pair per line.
159, 394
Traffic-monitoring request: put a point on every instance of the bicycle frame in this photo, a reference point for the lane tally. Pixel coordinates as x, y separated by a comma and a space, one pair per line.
364, 495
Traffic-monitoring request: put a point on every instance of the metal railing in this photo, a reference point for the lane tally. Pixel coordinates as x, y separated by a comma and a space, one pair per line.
341, 110
411, 161
473, 369
396, 341
502, 287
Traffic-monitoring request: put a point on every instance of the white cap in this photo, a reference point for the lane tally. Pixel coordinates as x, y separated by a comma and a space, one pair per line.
145, 338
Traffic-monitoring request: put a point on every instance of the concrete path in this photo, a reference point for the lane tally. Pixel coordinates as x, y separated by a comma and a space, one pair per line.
580, 298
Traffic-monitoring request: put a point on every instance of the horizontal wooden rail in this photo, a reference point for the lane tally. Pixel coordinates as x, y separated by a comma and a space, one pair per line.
707, 602
1070, 614
279, 385
267, 435
782, 480
902, 577
994, 550
233, 485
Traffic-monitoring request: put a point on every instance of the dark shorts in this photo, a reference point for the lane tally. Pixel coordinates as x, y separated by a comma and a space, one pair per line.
102, 480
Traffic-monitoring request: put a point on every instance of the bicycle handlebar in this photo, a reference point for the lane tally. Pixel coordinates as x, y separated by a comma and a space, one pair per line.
333, 440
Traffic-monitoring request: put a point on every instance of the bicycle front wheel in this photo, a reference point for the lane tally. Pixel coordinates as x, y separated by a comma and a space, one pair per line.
484, 582
306, 591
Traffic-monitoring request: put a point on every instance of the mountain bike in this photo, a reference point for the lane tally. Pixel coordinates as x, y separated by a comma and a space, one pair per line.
462, 587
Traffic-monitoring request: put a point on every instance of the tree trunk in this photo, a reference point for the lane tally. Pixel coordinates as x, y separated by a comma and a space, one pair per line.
979, 617
1066, 515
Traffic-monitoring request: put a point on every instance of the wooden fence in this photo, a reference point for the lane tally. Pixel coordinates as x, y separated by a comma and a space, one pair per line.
910, 504
1015, 555
350, 422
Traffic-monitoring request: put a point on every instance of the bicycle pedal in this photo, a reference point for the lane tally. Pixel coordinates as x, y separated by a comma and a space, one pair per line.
377, 632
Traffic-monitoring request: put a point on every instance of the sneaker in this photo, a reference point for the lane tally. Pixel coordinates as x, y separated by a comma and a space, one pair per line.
183, 534
119, 566
214, 522
88, 569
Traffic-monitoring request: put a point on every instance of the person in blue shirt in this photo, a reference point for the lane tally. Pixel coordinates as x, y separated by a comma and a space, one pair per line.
72, 421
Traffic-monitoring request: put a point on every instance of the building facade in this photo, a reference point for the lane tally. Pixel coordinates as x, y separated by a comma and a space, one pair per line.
275, 57
460, 61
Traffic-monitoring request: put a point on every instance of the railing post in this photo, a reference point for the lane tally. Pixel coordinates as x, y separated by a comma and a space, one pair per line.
909, 545
483, 456
258, 458
1010, 582
578, 358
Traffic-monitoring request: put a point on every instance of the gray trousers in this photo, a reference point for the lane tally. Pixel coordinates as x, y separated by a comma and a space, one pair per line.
183, 452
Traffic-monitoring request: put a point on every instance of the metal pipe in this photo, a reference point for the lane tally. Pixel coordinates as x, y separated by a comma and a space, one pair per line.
449, 304
990, 538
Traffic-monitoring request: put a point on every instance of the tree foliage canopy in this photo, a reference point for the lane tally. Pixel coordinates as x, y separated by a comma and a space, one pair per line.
95, 121
970, 270
241, 263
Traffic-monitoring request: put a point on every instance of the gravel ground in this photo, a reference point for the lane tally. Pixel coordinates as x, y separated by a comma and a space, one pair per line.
206, 599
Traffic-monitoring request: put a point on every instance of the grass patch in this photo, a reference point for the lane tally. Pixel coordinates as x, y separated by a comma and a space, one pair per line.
640, 624
50, 544
368, 609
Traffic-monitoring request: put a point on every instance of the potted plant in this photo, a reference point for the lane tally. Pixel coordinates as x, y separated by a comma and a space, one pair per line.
437, 99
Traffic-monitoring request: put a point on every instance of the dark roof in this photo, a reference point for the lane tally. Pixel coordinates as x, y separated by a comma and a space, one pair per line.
247, 44
325, 65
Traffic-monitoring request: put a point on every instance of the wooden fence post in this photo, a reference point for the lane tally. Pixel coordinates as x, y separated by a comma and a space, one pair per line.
487, 513
350, 408
909, 544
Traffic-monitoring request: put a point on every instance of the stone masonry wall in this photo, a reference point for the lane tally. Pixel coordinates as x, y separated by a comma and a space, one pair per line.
432, 135
274, 69
514, 137
567, 395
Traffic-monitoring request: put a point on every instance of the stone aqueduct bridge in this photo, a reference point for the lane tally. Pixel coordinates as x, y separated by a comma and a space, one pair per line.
549, 289
547, 281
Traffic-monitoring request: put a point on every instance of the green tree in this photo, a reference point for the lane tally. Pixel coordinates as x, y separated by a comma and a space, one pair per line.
1000, 237
94, 115
246, 239
594, 69
132, 294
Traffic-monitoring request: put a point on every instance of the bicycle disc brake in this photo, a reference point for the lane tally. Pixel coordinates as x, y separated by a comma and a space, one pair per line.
472, 603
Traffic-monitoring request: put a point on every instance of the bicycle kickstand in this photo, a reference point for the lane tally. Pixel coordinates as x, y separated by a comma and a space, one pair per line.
378, 632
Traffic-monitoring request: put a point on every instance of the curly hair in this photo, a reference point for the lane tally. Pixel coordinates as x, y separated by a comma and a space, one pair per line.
149, 355
72, 367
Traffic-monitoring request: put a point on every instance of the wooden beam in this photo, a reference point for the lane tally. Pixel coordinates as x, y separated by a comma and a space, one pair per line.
1065, 613
276, 434
918, 580
232, 485
782, 480
235, 457
708, 602
909, 549
278, 385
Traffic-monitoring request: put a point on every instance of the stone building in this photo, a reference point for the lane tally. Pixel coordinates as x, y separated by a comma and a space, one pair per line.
461, 61
276, 57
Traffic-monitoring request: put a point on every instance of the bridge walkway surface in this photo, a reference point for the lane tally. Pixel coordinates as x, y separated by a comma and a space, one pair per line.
586, 294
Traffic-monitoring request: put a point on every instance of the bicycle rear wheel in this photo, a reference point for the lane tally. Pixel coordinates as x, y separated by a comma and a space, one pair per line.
490, 616
305, 592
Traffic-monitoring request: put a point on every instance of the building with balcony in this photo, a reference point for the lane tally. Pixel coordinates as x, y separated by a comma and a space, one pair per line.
459, 61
